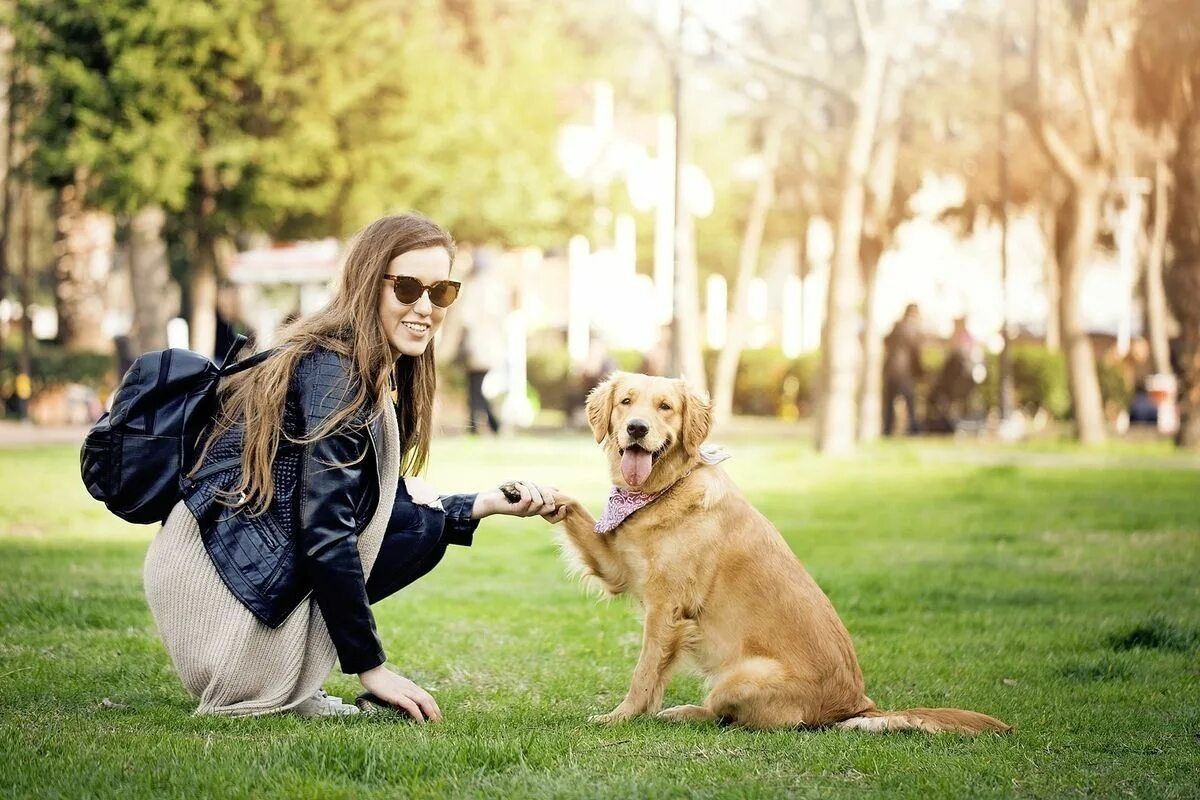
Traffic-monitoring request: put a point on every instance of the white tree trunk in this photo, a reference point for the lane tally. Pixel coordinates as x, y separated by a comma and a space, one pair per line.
876, 235
870, 415
840, 344
149, 279
1156, 298
687, 307
1079, 222
760, 206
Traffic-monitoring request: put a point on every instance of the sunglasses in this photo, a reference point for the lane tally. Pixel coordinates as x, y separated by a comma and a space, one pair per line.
409, 290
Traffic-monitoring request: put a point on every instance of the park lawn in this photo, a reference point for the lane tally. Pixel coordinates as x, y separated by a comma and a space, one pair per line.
1062, 597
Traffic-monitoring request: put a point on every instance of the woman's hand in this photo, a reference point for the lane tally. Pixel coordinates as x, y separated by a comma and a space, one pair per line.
532, 500
402, 693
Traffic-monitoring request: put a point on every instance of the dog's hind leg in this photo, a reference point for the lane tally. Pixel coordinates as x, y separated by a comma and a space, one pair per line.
687, 714
758, 693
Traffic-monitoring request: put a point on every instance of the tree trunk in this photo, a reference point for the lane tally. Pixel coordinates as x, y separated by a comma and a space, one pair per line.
1053, 293
840, 345
9, 182
870, 398
1075, 234
1183, 277
149, 278
25, 296
877, 234
727, 363
687, 307
1156, 298
83, 250
202, 319
202, 322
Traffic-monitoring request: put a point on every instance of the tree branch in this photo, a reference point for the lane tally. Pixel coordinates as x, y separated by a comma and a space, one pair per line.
782, 66
1052, 143
863, 23
1097, 120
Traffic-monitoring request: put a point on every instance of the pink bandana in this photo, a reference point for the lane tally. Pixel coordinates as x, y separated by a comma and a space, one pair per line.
622, 502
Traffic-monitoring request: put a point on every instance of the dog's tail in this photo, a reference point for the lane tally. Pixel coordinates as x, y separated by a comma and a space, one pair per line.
929, 720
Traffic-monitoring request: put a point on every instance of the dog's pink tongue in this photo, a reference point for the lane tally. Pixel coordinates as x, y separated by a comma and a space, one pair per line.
635, 466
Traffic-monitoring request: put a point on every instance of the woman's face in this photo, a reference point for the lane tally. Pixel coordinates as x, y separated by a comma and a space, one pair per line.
410, 328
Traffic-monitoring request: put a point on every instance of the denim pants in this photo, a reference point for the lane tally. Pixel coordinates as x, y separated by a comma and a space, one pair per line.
413, 545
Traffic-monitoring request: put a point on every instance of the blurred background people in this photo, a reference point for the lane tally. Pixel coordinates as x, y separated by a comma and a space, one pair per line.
481, 349
953, 392
902, 369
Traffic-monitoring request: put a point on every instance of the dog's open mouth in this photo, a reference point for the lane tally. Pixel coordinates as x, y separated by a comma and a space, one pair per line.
637, 461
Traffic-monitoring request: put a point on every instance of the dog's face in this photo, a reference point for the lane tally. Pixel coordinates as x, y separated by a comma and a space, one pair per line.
653, 427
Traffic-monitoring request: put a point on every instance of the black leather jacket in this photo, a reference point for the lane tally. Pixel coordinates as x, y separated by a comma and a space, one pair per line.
307, 541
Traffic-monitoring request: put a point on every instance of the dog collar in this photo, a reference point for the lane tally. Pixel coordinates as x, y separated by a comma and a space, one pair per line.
623, 502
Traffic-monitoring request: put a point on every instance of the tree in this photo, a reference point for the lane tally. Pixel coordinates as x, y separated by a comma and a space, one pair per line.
747, 267
1086, 170
104, 136
1165, 62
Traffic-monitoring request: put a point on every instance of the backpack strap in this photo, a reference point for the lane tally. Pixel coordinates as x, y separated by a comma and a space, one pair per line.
239, 341
246, 363
229, 367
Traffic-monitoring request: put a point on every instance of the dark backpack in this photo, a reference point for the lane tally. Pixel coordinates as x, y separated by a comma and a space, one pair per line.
134, 457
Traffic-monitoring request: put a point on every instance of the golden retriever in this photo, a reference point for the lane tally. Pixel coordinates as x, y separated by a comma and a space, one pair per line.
717, 582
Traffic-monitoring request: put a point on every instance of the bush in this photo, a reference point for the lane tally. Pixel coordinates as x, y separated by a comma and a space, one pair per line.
548, 372
1113, 388
768, 383
1040, 381
52, 365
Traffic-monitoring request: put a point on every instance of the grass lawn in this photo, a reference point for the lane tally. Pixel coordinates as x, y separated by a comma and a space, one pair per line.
1061, 595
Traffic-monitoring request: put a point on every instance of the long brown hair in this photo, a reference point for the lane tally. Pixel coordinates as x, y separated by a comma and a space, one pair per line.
350, 326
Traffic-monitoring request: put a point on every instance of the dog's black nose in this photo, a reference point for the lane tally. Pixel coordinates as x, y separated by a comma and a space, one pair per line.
637, 428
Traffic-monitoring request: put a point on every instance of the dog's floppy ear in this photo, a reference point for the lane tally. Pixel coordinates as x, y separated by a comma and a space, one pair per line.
697, 418
599, 407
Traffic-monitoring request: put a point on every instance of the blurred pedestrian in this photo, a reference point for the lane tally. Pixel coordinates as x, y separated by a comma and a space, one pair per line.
230, 323
657, 360
598, 366
951, 394
1136, 367
902, 369
481, 350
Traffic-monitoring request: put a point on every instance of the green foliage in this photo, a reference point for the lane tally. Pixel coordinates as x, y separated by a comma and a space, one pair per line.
1114, 388
303, 117
770, 384
51, 366
1040, 381
549, 374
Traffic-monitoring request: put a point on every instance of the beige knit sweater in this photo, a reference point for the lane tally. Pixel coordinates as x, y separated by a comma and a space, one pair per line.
232, 663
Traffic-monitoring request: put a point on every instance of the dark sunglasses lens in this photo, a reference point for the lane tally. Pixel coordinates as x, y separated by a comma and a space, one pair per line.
443, 293
408, 289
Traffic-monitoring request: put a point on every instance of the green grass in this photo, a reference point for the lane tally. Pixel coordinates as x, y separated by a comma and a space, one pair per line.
1061, 595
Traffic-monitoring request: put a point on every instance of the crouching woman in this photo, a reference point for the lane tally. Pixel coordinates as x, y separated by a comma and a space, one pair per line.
297, 517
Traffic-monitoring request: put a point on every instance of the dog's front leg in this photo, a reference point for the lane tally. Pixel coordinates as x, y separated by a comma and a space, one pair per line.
594, 550
663, 638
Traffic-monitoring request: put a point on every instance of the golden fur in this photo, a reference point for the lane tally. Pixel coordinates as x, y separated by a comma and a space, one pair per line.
718, 583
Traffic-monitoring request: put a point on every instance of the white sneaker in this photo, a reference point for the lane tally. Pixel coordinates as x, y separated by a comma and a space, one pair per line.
324, 705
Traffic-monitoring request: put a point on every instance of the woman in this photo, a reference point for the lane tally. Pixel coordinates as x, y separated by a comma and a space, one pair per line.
295, 518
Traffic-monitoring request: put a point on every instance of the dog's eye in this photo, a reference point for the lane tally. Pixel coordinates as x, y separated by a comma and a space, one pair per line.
627, 401
664, 406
